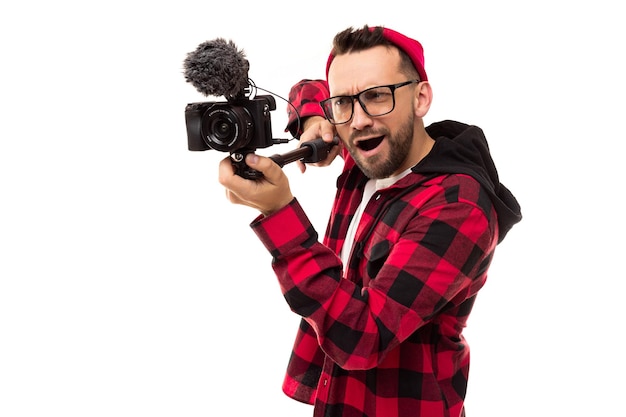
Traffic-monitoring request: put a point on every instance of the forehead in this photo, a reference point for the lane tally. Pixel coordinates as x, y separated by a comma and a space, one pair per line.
356, 71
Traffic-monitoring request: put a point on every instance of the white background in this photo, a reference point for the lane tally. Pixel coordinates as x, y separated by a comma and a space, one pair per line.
130, 287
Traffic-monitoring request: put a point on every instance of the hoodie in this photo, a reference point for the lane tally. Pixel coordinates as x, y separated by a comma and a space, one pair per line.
463, 149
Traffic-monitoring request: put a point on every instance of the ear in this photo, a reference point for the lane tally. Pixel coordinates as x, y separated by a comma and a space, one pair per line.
423, 98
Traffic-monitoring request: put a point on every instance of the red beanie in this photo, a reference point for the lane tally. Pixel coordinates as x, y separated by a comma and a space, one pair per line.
410, 46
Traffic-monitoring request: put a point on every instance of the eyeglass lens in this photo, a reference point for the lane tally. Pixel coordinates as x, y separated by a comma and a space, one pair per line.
375, 101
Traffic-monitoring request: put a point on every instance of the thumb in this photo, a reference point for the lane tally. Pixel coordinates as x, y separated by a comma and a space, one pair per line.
265, 165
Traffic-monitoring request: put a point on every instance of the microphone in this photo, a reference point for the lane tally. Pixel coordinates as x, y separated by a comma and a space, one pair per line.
218, 68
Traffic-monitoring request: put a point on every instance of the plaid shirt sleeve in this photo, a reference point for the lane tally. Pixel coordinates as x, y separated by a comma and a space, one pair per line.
304, 99
436, 262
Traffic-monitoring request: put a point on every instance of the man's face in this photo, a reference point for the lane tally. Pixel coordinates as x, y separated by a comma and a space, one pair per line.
379, 145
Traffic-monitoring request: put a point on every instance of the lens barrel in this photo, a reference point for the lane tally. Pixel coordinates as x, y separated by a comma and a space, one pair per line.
226, 127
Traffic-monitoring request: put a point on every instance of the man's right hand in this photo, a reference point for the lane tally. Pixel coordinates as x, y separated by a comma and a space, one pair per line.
318, 127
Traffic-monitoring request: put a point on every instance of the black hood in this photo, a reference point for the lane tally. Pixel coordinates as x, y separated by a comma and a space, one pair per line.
463, 149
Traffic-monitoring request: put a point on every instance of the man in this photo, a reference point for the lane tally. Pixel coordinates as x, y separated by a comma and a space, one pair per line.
416, 219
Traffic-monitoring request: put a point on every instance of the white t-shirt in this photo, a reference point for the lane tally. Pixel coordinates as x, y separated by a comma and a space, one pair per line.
370, 188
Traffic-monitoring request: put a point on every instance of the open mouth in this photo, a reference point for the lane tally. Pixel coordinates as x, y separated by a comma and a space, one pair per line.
369, 144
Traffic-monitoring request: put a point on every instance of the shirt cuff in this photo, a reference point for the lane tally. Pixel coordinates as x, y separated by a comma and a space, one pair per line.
284, 230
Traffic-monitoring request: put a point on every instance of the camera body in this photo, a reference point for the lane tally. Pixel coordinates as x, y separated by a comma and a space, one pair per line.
237, 125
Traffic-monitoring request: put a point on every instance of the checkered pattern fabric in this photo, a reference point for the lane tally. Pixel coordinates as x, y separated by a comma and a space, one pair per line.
382, 336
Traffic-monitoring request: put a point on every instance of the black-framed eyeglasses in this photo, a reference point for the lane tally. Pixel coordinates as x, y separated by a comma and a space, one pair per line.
375, 101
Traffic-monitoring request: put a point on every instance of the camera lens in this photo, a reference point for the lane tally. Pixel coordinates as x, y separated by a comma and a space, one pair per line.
227, 127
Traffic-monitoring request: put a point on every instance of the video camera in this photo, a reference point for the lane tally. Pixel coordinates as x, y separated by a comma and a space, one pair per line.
242, 123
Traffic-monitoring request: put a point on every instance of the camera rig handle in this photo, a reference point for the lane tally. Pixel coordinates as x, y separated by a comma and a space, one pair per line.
238, 160
309, 152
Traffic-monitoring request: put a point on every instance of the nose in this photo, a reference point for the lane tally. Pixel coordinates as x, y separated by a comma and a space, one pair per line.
360, 118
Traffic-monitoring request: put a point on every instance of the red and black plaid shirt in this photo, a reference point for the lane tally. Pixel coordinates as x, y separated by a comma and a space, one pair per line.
381, 337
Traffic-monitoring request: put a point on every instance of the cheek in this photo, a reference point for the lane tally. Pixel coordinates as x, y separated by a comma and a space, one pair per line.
406, 113
343, 131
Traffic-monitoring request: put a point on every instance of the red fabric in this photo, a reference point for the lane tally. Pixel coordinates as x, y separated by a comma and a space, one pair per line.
410, 46
305, 96
387, 338
382, 337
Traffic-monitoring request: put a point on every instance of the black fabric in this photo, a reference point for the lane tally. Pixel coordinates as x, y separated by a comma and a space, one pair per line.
462, 149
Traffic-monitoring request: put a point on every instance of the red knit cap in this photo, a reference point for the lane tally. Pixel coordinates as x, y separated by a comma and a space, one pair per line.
410, 46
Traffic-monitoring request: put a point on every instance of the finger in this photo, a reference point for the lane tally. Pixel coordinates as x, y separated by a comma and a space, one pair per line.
337, 149
232, 197
235, 184
313, 132
327, 132
226, 172
270, 169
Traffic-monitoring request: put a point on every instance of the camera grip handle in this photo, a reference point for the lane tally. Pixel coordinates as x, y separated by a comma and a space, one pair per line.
319, 150
309, 152
238, 160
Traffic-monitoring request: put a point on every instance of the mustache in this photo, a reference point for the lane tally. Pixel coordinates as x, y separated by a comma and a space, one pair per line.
367, 133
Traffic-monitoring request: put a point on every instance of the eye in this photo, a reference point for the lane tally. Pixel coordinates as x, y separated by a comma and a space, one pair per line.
340, 102
376, 95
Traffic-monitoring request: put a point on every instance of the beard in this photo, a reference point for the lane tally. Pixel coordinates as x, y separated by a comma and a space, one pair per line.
399, 145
